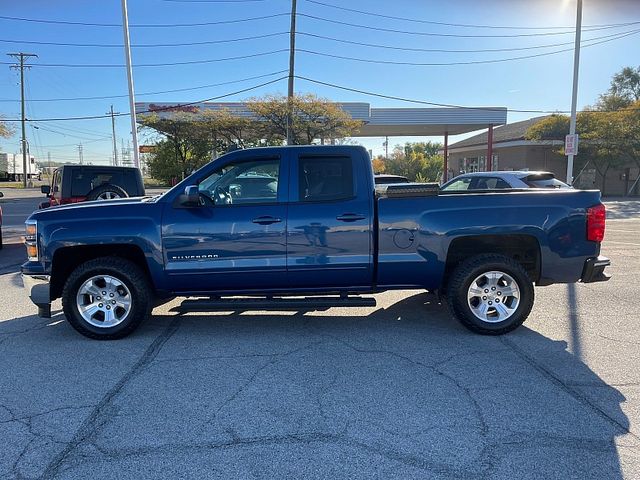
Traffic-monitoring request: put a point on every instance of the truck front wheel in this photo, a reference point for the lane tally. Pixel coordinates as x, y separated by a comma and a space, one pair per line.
490, 294
107, 298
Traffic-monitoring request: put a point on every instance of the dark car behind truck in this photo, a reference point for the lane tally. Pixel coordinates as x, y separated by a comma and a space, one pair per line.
280, 223
81, 183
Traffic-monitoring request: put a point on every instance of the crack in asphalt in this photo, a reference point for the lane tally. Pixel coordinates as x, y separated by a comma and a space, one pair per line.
275, 359
42, 323
40, 414
620, 340
466, 391
27, 421
98, 416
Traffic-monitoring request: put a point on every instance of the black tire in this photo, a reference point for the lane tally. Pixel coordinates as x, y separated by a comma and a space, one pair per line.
107, 189
125, 271
467, 272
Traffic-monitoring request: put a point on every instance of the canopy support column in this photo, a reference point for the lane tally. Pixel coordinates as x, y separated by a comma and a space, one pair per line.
490, 148
445, 174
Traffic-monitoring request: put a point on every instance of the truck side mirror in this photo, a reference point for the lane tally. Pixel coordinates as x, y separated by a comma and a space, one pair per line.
46, 189
190, 197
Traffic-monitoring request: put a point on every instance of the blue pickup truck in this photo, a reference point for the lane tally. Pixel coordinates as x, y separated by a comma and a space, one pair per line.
307, 228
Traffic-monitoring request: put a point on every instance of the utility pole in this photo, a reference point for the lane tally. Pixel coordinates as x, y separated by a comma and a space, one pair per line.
292, 58
574, 96
113, 134
386, 148
132, 98
21, 65
80, 153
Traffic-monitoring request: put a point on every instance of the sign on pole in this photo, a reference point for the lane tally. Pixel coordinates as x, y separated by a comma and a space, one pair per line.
571, 144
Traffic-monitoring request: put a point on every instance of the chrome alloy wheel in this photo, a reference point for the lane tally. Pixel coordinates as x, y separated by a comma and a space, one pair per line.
107, 196
493, 296
104, 301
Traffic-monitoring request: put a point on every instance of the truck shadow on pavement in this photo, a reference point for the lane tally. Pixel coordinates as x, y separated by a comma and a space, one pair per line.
403, 392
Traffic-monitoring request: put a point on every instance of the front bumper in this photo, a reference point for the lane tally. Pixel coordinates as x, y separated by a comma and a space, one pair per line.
37, 287
593, 270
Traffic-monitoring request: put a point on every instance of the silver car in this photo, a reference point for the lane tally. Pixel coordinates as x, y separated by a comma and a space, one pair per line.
503, 179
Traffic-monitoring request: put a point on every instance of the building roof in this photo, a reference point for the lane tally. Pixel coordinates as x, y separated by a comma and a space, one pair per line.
504, 133
377, 122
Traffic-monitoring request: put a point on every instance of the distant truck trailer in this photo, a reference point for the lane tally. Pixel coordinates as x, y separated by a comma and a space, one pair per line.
11, 167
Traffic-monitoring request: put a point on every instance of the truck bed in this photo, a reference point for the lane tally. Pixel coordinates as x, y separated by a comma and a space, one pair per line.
418, 225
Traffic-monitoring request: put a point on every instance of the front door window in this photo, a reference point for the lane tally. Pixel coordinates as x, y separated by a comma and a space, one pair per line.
249, 182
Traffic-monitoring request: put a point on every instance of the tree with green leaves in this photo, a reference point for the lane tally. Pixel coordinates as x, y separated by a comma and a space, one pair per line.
606, 138
623, 91
312, 118
187, 143
418, 161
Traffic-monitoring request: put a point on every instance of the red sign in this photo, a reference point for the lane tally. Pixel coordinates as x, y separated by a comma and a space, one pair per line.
571, 144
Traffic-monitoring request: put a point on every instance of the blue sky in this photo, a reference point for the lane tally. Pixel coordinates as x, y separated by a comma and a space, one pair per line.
536, 83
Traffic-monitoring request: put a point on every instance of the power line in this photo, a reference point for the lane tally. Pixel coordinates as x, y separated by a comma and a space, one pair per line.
470, 62
104, 97
56, 145
159, 109
214, 1
76, 130
170, 64
64, 134
465, 25
444, 50
455, 35
433, 104
144, 45
145, 25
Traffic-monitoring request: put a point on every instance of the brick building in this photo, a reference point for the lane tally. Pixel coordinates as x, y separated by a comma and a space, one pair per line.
511, 151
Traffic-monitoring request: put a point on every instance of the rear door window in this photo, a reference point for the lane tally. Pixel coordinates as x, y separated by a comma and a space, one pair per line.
325, 179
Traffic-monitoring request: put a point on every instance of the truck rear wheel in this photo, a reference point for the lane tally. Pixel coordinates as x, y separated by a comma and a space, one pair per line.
107, 298
490, 294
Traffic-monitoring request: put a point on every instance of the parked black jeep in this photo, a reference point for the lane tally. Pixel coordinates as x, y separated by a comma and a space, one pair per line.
83, 183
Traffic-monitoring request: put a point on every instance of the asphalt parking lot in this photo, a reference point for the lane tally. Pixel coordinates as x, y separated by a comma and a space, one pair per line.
396, 391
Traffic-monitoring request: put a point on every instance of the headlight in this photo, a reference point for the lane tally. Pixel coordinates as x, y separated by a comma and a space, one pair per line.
31, 240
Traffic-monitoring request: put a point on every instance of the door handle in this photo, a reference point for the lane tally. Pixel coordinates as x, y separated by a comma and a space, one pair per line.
266, 220
350, 217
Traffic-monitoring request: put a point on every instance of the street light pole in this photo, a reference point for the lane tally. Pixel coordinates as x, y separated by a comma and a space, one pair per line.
292, 58
132, 99
574, 96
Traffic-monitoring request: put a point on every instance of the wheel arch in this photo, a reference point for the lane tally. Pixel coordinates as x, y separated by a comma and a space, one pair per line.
523, 248
67, 259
